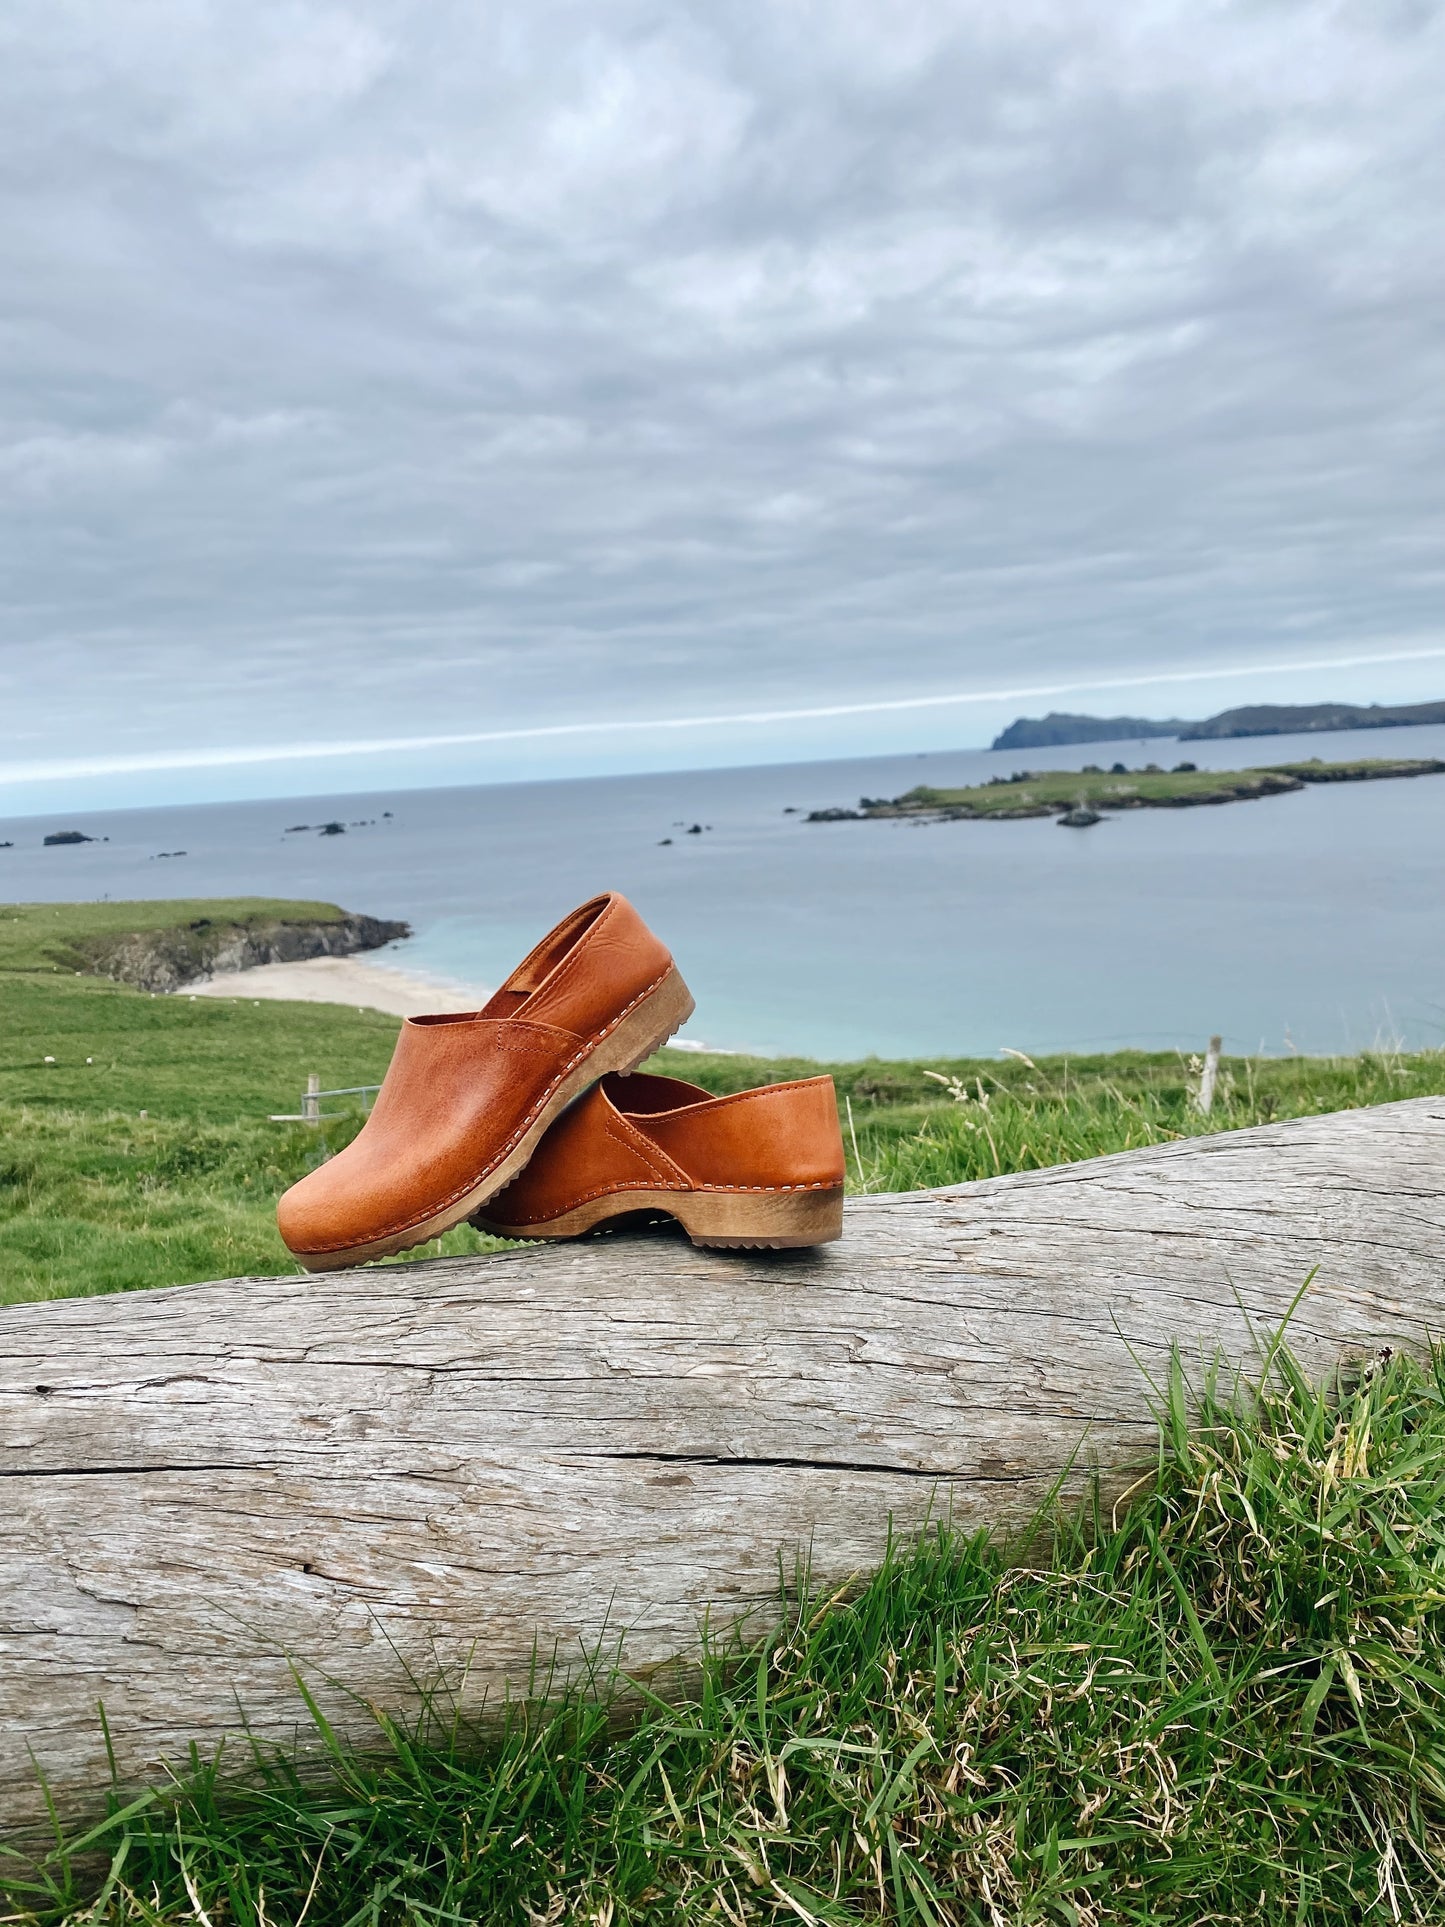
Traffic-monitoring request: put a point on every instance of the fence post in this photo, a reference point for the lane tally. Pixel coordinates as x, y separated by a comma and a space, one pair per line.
1210, 1072
311, 1103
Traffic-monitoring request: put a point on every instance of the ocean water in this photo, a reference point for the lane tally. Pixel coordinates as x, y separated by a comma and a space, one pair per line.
1313, 922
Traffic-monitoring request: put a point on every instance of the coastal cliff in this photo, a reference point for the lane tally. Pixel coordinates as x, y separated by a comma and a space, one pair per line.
167, 959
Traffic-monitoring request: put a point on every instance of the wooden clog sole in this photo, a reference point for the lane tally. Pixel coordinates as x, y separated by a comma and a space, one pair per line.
779, 1220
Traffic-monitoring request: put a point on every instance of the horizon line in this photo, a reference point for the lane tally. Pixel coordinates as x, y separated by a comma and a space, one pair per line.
248, 755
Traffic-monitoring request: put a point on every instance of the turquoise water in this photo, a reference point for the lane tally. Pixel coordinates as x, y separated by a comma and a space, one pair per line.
1311, 921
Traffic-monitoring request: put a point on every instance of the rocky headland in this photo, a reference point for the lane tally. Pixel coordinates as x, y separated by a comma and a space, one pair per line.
1060, 727
169, 959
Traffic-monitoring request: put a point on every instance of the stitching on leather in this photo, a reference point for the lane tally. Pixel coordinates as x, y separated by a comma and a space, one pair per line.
633, 1140
521, 1131
641, 1184
664, 1173
523, 1048
651, 1152
817, 1185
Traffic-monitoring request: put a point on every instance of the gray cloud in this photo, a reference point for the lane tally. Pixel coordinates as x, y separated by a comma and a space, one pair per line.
376, 369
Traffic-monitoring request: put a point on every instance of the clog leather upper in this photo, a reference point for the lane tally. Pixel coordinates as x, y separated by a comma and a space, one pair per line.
646, 1133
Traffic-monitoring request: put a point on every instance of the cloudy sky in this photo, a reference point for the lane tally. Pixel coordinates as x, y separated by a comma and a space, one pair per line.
383, 373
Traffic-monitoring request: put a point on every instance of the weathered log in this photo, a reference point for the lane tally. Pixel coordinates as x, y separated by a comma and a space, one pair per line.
386, 1471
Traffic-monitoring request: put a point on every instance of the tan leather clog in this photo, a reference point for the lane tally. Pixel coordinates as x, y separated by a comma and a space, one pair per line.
467, 1097
762, 1167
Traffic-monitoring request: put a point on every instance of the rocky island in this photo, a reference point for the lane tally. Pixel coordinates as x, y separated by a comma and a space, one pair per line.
1077, 797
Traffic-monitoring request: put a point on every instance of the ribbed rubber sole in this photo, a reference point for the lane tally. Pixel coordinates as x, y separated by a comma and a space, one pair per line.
780, 1220
632, 1039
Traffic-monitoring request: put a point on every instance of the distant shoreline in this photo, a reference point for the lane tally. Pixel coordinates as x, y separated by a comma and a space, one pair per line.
1060, 728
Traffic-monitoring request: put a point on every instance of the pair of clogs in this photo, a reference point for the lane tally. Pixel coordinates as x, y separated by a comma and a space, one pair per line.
521, 1117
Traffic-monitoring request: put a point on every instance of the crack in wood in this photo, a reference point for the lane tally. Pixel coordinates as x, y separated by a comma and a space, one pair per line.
751, 1464
112, 1471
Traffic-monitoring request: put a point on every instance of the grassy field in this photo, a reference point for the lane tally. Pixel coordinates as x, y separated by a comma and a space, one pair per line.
1224, 1707
134, 1142
135, 1146
1049, 792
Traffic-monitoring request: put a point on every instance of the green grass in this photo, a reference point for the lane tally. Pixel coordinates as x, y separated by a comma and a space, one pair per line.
1025, 1116
1223, 1707
124, 1051
1047, 792
142, 1154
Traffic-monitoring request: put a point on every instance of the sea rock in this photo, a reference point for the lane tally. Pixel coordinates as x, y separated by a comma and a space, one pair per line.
68, 836
834, 816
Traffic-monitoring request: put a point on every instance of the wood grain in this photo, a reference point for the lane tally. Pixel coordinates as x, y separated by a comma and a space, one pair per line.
381, 1472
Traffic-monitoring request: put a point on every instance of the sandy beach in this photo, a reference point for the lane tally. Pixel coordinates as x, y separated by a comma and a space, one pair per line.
342, 980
